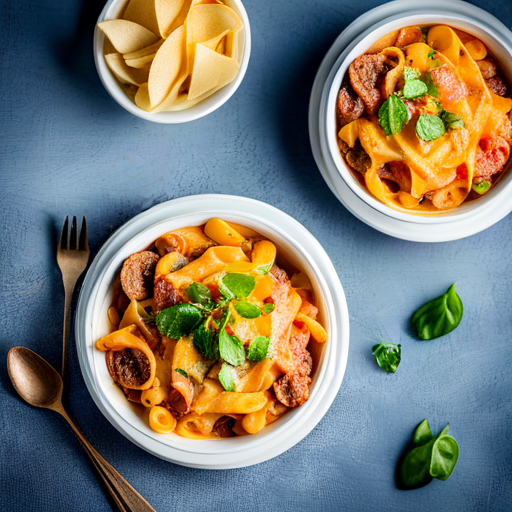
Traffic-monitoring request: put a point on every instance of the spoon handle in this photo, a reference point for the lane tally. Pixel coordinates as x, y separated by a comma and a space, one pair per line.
124, 495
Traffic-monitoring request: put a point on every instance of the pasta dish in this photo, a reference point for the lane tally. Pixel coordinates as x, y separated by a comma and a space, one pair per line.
424, 119
209, 335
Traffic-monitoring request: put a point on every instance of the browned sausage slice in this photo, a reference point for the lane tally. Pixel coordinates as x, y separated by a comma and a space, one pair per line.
364, 74
165, 294
129, 367
349, 106
137, 274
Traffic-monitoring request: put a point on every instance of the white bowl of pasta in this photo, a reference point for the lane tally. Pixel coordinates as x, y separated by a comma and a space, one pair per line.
213, 402
384, 155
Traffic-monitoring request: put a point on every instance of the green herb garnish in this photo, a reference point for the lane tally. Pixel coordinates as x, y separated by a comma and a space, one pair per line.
432, 88
388, 356
236, 286
227, 376
429, 127
482, 187
230, 347
393, 115
429, 457
431, 54
199, 293
179, 320
246, 309
411, 73
205, 341
268, 308
438, 317
181, 372
414, 89
258, 349
452, 121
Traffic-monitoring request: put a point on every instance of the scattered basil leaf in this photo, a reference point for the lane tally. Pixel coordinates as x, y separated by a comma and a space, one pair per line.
268, 308
388, 356
411, 73
429, 457
431, 54
414, 89
445, 453
258, 349
227, 376
230, 347
178, 320
205, 342
482, 187
452, 121
235, 285
198, 293
429, 127
181, 372
432, 88
422, 434
246, 309
438, 317
393, 115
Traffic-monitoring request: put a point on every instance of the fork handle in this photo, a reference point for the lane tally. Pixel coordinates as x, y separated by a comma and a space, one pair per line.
69, 287
126, 498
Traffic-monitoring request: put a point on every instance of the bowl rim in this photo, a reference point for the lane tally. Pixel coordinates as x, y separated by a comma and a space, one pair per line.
298, 423
348, 38
366, 38
198, 111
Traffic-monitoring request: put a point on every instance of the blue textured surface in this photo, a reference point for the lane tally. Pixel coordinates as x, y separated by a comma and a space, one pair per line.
67, 148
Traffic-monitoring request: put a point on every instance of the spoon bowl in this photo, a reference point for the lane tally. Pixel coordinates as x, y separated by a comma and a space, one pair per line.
35, 380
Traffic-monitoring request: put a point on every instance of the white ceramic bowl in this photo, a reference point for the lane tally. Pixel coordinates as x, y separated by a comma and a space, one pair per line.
301, 249
111, 11
463, 221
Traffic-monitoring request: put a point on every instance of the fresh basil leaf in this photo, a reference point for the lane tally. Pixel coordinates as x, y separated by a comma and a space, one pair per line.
198, 293
429, 127
452, 121
432, 88
414, 467
414, 89
445, 454
411, 73
235, 285
388, 356
227, 376
268, 308
482, 187
181, 372
230, 347
422, 434
258, 349
393, 115
431, 54
246, 309
178, 320
438, 317
205, 342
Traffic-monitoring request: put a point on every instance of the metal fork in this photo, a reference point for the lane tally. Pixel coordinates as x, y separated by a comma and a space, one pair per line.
72, 258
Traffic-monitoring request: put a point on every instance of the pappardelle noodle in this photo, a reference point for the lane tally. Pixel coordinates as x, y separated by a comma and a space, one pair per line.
424, 119
209, 335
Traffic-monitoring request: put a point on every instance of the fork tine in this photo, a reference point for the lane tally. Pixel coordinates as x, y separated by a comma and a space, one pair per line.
73, 239
63, 242
83, 244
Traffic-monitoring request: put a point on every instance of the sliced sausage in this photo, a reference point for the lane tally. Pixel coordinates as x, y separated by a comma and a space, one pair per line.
398, 172
137, 274
492, 154
497, 85
129, 367
165, 294
349, 106
365, 72
224, 427
358, 158
451, 87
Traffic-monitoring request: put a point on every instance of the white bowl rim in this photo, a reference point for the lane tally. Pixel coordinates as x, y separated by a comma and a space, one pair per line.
198, 111
366, 39
211, 454
406, 230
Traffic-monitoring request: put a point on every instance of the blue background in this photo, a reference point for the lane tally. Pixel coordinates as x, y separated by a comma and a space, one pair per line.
67, 148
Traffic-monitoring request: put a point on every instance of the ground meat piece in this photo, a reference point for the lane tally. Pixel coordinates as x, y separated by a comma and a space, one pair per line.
137, 274
224, 427
451, 87
497, 85
398, 172
129, 367
365, 73
292, 389
165, 294
358, 158
492, 154
487, 67
349, 106
176, 403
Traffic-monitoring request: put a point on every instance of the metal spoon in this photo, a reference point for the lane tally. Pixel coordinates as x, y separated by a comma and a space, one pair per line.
37, 382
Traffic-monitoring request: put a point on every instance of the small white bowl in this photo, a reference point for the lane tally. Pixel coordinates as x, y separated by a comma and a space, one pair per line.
111, 11
301, 249
467, 219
